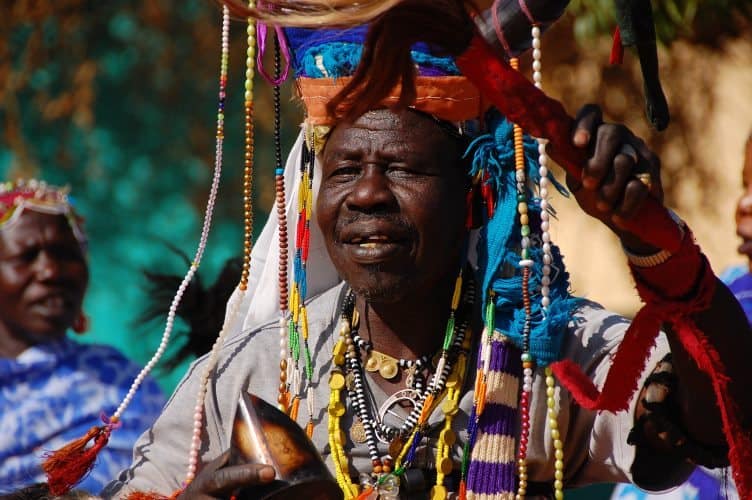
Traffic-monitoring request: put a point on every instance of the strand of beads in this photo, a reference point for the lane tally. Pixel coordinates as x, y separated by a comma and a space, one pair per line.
283, 399
554, 426
546, 278
526, 264
298, 324
336, 406
234, 306
543, 183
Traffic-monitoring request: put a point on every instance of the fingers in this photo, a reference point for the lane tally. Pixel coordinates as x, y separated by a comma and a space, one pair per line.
228, 479
587, 121
620, 173
218, 480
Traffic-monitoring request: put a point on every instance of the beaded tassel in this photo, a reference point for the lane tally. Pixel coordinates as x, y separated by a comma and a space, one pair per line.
234, 307
298, 324
554, 426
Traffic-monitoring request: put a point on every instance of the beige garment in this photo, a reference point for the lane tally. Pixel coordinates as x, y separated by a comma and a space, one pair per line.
595, 444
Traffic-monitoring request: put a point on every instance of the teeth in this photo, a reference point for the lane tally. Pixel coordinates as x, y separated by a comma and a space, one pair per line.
368, 245
376, 238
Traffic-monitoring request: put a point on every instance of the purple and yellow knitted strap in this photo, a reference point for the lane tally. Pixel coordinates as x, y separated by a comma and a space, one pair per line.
491, 472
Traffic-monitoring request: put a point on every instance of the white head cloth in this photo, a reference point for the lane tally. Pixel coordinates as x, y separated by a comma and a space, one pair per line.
261, 300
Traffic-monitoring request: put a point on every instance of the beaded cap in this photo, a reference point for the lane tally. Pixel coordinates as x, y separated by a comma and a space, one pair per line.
38, 196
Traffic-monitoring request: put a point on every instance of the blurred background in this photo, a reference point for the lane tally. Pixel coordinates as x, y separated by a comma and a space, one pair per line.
118, 100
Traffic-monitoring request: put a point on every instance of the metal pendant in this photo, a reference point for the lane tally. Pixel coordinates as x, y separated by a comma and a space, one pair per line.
387, 366
392, 419
358, 431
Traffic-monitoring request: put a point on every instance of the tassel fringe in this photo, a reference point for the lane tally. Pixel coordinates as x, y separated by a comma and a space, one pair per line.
66, 467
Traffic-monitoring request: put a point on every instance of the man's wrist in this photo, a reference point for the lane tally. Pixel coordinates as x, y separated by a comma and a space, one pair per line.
643, 259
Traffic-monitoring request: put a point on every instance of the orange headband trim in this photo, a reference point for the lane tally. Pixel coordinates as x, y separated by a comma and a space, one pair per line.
450, 98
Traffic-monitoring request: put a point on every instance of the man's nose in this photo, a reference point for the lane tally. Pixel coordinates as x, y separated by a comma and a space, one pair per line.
372, 191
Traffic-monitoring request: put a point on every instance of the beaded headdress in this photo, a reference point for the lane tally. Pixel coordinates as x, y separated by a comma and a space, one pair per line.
38, 196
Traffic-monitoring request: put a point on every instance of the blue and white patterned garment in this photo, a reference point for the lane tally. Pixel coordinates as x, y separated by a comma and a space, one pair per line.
53, 393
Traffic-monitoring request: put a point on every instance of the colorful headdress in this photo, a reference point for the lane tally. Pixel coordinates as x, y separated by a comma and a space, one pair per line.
38, 196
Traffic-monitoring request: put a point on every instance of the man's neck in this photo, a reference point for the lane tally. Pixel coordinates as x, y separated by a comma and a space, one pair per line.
406, 329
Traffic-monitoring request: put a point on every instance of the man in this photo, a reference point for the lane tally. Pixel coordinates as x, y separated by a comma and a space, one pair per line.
51, 387
392, 209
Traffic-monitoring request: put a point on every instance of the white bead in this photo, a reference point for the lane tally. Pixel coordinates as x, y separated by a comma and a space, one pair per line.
537, 78
545, 280
536, 66
544, 205
545, 291
543, 192
526, 263
536, 32
536, 52
536, 43
546, 237
526, 388
546, 269
547, 247
528, 372
525, 242
544, 181
547, 259
545, 301
545, 225
519, 175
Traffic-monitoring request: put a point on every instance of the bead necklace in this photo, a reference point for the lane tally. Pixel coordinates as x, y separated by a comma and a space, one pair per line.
450, 373
283, 399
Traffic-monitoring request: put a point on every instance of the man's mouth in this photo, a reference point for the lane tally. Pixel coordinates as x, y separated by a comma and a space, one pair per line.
372, 241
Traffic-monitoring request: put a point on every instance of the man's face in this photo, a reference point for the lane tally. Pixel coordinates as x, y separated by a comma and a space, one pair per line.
744, 207
43, 277
391, 204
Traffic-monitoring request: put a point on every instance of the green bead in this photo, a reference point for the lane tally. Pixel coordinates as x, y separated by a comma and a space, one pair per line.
526, 356
525, 230
521, 197
525, 253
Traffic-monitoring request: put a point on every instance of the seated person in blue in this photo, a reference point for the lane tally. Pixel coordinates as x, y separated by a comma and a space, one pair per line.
51, 387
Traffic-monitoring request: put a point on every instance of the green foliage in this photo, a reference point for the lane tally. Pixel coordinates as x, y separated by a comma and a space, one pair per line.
119, 100
702, 21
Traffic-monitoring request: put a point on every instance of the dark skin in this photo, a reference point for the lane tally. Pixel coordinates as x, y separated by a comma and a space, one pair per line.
391, 208
43, 278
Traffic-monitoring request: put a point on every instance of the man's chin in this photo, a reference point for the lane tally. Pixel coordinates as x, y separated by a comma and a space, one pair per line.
380, 288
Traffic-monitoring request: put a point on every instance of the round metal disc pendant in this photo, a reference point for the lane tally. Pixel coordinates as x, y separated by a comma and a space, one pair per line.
395, 419
358, 431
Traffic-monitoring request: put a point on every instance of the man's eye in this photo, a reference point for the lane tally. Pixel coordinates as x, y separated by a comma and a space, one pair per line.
346, 170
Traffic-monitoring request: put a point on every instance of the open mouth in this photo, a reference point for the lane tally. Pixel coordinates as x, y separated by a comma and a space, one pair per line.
372, 241
368, 247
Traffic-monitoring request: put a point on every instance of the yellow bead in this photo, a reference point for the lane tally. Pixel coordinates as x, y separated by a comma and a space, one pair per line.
448, 437
558, 444
339, 360
521, 462
559, 465
559, 495
550, 392
550, 381
522, 208
550, 403
552, 423
559, 454
438, 492
524, 220
559, 475
558, 485
251, 52
523, 476
555, 435
336, 381
340, 348
523, 485
450, 407
445, 465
